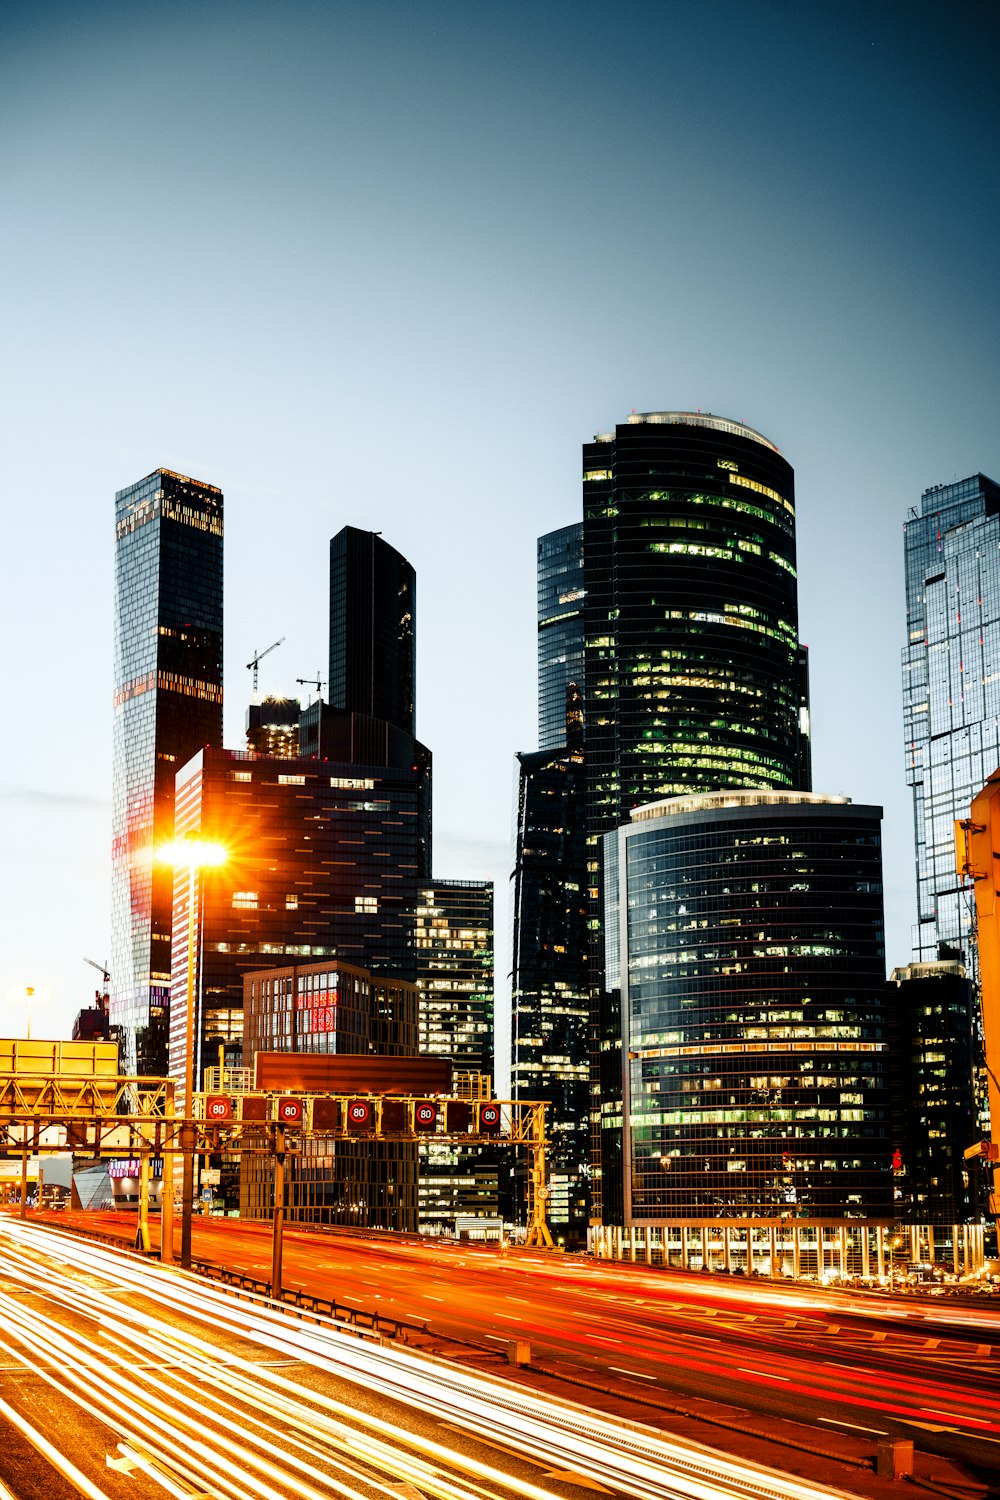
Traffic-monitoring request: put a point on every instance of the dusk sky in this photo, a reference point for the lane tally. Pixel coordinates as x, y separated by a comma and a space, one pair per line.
390, 265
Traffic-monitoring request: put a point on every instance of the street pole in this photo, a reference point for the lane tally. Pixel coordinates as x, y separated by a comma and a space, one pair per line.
24, 1184
277, 1232
167, 1186
142, 1228
188, 1134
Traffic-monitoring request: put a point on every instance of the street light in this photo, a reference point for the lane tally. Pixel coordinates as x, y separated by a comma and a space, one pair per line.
191, 854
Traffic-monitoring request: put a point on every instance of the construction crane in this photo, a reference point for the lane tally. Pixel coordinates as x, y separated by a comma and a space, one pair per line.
313, 682
256, 660
102, 994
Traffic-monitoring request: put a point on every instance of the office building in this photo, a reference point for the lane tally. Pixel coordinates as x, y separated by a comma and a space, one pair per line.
454, 939
695, 680
325, 861
744, 932
333, 1007
372, 629
951, 688
550, 1002
167, 706
561, 595
935, 1054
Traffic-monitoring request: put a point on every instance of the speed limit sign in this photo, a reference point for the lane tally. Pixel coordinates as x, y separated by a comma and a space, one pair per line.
489, 1118
359, 1114
289, 1111
425, 1114
218, 1107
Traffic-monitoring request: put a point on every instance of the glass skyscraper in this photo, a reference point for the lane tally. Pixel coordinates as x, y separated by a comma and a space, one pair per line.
325, 861
373, 593
561, 594
951, 688
550, 1001
167, 706
695, 680
745, 933
454, 942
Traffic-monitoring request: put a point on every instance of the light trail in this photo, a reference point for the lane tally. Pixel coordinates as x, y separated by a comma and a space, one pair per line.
259, 1433
58, 1460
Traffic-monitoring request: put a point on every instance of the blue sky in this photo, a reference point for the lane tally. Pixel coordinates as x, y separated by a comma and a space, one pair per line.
390, 265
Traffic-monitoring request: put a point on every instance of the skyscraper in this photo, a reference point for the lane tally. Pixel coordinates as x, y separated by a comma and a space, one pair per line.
561, 595
372, 628
325, 861
550, 1001
694, 675
167, 705
951, 688
936, 1053
454, 941
745, 933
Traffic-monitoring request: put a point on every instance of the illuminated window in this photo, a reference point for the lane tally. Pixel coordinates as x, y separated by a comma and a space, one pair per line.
291, 781
245, 899
366, 903
242, 776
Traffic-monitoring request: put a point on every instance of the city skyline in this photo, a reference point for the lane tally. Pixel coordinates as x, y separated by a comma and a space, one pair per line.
839, 300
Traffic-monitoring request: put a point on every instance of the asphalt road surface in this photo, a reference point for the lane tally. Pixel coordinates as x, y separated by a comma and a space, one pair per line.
928, 1370
124, 1378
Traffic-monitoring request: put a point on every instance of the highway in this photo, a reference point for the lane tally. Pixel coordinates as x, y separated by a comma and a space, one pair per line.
123, 1377
929, 1370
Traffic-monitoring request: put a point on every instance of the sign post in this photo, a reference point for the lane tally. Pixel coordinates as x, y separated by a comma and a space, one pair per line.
277, 1232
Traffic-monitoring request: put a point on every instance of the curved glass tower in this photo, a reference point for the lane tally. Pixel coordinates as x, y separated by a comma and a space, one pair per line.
745, 931
694, 677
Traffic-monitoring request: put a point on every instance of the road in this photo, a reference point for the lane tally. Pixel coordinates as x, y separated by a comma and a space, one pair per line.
189, 1391
929, 1370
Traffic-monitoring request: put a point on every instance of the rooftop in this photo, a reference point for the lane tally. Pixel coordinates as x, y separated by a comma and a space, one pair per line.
696, 419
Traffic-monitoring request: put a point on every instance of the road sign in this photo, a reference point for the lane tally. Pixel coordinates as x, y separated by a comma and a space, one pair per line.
489, 1119
360, 1115
425, 1114
218, 1107
289, 1111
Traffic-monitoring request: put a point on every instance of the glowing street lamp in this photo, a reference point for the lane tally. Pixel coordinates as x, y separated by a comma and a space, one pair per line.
191, 854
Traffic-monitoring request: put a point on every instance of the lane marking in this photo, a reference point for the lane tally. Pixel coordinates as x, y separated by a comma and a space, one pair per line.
765, 1373
856, 1426
637, 1374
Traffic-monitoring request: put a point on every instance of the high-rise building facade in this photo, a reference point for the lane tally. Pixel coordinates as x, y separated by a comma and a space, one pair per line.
333, 1007
454, 941
325, 861
951, 688
167, 706
695, 679
550, 999
372, 628
935, 1056
561, 595
744, 931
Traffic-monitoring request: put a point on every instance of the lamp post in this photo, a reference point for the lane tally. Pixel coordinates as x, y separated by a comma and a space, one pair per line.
193, 855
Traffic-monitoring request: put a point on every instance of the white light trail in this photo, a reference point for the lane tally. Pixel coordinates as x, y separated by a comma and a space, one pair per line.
187, 1417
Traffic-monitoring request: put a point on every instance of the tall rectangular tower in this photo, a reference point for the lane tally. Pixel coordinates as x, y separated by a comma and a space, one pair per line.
167, 706
951, 688
454, 937
372, 628
561, 595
